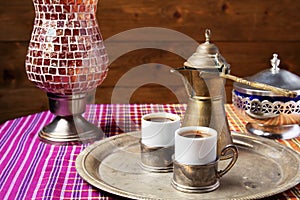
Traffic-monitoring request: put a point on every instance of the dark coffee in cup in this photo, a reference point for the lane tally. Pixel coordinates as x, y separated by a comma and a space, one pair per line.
159, 119
195, 134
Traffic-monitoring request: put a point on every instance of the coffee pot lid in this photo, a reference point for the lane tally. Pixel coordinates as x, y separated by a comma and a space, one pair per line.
207, 56
273, 76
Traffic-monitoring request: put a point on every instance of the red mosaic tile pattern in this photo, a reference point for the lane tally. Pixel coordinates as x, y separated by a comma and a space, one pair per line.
66, 54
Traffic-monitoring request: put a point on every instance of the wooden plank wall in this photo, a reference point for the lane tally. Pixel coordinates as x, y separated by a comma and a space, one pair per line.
246, 32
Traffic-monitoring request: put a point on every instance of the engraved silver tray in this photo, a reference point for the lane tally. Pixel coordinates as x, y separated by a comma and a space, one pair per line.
264, 168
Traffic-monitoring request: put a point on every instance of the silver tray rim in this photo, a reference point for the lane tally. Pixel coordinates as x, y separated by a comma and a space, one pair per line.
102, 185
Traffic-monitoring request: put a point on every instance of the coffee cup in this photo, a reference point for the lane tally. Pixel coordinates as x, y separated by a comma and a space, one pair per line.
157, 141
195, 167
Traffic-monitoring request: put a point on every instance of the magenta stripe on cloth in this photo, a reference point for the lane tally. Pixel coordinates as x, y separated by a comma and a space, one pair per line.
8, 146
24, 151
16, 149
30, 169
6, 129
35, 154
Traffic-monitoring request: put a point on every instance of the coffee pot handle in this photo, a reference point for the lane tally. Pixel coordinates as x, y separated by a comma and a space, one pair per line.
234, 158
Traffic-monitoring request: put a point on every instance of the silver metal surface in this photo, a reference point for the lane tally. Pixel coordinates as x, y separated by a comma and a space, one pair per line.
264, 168
201, 178
269, 114
207, 57
273, 112
69, 127
272, 90
274, 77
61, 105
274, 132
195, 178
157, 159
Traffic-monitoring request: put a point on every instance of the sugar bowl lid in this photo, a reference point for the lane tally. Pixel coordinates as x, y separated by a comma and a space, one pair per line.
207, 56
274, 76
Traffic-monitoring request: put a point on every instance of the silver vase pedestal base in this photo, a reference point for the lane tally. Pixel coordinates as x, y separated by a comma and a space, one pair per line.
274, 132
70, 130
69, 127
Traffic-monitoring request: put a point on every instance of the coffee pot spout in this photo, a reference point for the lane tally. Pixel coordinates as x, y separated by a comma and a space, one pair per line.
185, 74
181, 71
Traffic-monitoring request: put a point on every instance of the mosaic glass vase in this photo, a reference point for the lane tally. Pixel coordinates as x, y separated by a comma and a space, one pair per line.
67, 59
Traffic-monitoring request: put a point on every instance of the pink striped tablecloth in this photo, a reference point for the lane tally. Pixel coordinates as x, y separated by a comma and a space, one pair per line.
30, 169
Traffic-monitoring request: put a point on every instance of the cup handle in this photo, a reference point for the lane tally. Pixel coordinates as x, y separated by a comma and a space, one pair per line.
234, 150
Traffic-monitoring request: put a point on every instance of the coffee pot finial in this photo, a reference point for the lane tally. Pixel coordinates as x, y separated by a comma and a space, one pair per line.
207, 35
